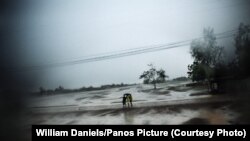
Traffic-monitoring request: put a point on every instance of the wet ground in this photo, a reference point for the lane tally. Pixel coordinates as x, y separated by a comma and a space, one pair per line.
142, 95
211, 114
171, 103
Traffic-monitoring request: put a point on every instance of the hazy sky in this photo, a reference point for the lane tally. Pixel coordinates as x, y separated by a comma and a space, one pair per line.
65, 30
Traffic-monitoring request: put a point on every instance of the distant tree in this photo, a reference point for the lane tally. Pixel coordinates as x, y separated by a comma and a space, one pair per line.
207, 55
182, 78
153, 76
196, 72
60, 88
239, 67
90, 88
42, 90
206, 51
83, 88
161, 76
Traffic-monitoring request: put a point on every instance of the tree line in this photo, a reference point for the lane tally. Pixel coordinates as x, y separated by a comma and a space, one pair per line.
210, 65
61, 90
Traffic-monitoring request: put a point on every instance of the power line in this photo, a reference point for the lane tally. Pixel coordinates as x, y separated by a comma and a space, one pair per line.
154, 46
123, 53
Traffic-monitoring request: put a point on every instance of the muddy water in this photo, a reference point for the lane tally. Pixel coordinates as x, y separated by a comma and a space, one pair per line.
110, 97
169, 104
154, 115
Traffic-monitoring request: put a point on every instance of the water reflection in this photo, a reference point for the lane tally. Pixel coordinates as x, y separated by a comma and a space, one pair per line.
128, 116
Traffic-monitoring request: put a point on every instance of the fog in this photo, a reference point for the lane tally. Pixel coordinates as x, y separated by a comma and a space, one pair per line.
60, 31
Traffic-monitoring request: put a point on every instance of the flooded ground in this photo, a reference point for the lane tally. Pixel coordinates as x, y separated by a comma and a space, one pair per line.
171, 103
154, 115
142, 95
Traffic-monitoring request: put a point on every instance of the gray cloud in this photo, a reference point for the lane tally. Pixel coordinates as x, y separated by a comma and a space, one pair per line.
62, 30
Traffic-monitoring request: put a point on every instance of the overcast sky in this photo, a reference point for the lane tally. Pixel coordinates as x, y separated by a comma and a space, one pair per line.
65, 30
